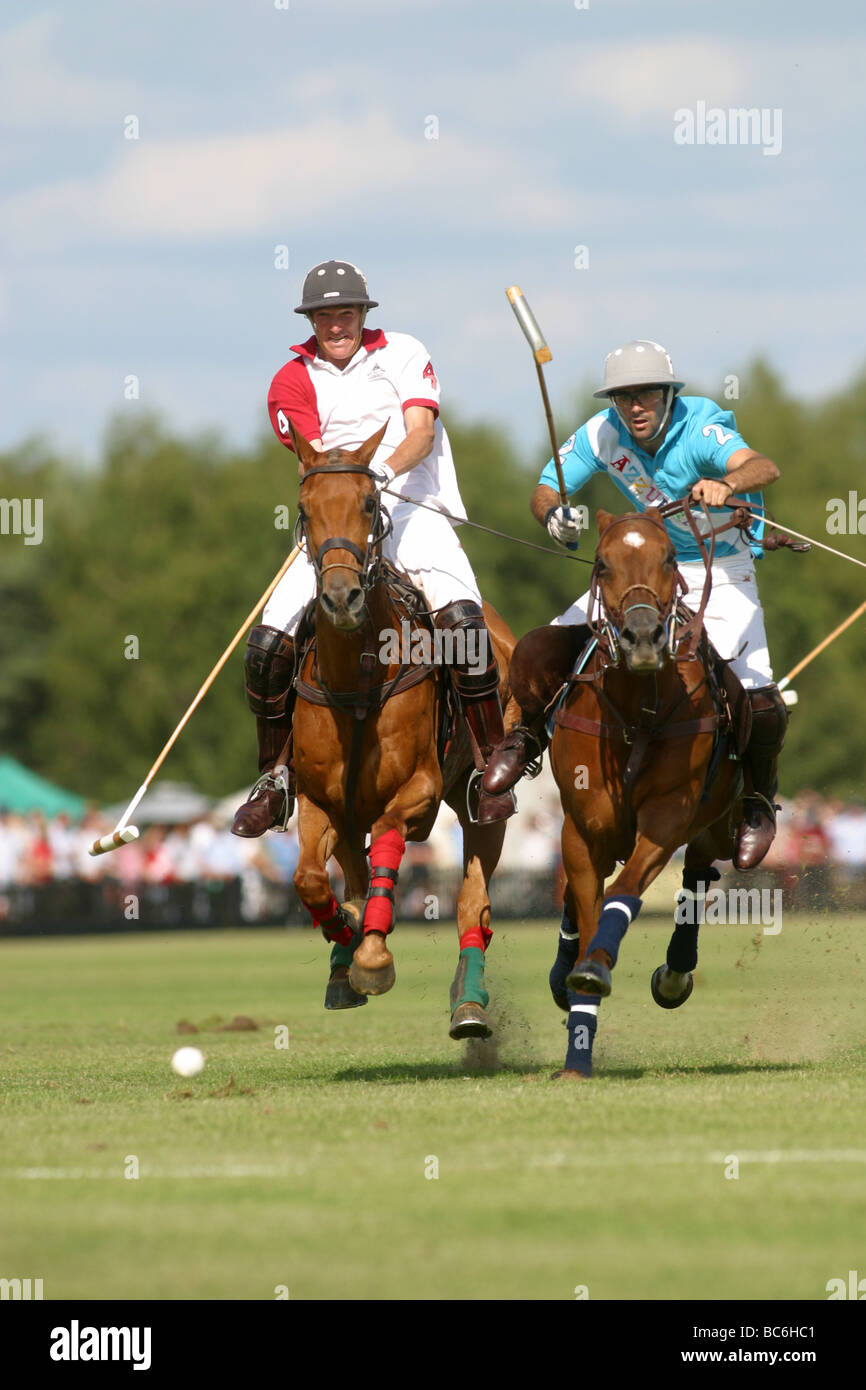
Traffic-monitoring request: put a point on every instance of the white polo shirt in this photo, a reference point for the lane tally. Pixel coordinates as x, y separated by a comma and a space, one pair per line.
386, 376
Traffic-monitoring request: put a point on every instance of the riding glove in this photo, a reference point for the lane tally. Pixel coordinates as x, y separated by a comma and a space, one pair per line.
564, 526
385, 475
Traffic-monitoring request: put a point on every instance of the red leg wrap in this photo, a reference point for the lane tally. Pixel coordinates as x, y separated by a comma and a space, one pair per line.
476, 936
385, 853
330, 919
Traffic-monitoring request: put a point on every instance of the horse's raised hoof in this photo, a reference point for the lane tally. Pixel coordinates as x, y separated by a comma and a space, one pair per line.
372, 969
339, 994
469, 1021
590, 977
570, 1075
663, 975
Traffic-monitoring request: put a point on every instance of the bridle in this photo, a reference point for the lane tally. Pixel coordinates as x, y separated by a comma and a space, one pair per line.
688, 634
369, 560
613, 620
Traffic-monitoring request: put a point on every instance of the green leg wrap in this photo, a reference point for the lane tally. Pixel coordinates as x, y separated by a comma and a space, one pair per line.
468, 983
341, 955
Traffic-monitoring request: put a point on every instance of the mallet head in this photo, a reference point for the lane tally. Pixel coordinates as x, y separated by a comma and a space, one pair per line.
114, 840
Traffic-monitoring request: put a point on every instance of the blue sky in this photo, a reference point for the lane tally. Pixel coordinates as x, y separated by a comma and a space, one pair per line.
305, 127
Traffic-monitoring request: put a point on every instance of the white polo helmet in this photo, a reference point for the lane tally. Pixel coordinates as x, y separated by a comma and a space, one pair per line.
640, 363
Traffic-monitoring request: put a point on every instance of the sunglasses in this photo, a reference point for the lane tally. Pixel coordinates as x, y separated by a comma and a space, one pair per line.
647, 397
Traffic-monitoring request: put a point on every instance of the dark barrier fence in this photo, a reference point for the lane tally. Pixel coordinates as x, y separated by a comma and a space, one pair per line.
75, 907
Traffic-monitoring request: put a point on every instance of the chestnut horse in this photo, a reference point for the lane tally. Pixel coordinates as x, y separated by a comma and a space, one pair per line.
643, 752
366, 751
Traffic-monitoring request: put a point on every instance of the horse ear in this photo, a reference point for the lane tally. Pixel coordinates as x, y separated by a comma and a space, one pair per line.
307, 455
602, 519
369, 447
654, 514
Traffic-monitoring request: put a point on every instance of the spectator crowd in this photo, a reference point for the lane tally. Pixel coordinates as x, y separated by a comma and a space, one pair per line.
816, 836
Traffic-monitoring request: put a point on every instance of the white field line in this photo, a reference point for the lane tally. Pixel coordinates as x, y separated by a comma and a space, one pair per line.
553, 1160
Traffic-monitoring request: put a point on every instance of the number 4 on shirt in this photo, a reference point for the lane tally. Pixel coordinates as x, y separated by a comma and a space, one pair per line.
429, 373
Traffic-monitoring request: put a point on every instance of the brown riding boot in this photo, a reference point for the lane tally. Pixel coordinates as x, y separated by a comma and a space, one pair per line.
518, 755
272, 799
477, 684
270, 667
757, 829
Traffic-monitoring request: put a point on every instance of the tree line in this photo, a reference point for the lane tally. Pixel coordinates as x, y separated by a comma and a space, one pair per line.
148, 563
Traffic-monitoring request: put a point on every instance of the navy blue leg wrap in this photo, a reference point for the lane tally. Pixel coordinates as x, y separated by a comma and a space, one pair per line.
566, 955
582, 1023
683, 949
616, 913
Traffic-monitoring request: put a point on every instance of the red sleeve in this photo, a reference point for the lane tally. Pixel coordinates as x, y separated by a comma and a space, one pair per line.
293, 397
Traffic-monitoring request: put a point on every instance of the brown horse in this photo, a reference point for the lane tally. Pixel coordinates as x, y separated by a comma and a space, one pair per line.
644, 752
366, 745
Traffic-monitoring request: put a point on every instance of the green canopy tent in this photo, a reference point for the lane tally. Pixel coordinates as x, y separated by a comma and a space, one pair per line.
22, 790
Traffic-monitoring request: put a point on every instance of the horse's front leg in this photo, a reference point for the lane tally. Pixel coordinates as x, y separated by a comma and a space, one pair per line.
339, 993
318, 839
482, 846
672, 983
372, 970
584, 870
662, 825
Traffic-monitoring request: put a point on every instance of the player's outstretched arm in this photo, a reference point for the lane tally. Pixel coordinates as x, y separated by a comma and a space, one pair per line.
541, 502
747, 471
420, 438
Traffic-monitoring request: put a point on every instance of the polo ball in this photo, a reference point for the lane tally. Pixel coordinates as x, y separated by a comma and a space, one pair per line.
188, 1061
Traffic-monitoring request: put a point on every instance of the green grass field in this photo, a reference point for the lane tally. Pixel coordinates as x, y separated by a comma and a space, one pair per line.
305, 1166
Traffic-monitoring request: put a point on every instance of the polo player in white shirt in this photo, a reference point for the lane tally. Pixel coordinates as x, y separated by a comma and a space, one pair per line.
345, 382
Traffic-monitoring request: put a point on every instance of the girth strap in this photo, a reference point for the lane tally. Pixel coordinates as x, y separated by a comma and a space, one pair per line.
708, 724
375, 695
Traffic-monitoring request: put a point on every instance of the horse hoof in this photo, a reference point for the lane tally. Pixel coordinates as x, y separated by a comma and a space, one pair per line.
590, 977
662, 973
339, 994
372, 969
569, 1075
469, 1021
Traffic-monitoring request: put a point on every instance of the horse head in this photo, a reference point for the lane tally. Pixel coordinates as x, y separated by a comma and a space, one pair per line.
635, 577
340, 516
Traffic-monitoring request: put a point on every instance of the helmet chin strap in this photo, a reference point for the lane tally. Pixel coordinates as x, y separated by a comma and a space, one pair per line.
670, 393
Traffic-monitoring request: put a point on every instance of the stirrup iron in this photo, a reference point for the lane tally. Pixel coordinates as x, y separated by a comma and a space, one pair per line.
276, 781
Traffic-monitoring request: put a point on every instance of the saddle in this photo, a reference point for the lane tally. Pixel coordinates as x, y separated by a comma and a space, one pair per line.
731, 722
410, 605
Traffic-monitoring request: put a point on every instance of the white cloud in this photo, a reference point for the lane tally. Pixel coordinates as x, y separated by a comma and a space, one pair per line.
327, 172
40, 94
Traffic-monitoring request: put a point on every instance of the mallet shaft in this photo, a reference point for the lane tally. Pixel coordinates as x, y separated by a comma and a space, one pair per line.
542, 354
120, 834
801, 665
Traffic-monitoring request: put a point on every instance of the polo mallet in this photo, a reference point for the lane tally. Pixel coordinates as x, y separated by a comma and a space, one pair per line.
816, 651
123, 832
541, 352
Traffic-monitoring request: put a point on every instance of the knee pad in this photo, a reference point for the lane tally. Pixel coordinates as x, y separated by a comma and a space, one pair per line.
473, 681
769, 717
269, 669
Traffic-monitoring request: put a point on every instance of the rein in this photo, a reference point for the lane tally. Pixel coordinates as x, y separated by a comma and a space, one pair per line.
366, 696
645, 730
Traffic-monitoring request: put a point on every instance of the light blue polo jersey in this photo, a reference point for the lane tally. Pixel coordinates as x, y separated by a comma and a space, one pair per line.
699, 441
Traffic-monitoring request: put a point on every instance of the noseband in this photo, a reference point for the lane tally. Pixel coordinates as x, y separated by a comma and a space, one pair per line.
380, 527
